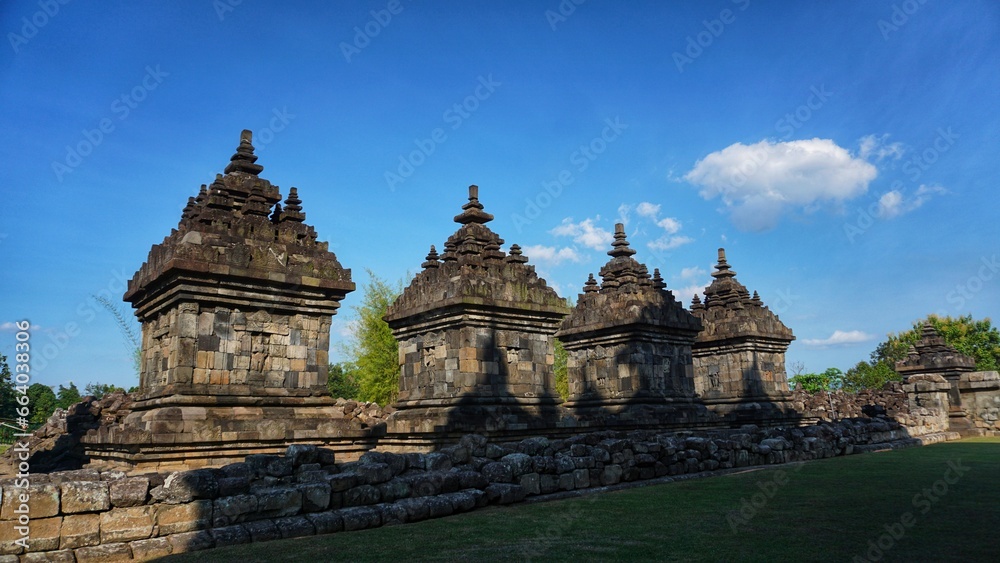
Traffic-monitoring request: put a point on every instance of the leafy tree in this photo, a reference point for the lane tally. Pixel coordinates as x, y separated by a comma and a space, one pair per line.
99, 390
8, 395
869, 375
830, 380
342, 380
43, 402
372, 349
978, 339
562, 378
67, 396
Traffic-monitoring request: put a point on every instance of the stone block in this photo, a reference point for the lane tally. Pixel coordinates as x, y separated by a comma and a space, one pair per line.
80, 530
61, 556
153, 548
43, 501
262, 530
327, 522
128, 492
230, 510
360, 518
177, 518
45, 533
191, 541
278, 502
230, 535
104, 553
126, 524
295, 527
315, 496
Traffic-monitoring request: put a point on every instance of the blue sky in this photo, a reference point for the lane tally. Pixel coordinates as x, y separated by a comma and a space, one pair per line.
844, 154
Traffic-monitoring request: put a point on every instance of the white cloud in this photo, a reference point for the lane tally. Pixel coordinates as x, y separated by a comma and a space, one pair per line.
647, 209
686, 293
669, 224
839, 338
894, 203
551, 255
692, 272
585, 233
759, 182
624, 210
669, 242
875, 146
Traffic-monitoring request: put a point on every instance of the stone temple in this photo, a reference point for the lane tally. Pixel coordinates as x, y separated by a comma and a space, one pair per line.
475, 331
235, 306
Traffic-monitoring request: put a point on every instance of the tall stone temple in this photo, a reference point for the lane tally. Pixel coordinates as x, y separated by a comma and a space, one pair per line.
739, 355
235, 306
475, 331
628, 343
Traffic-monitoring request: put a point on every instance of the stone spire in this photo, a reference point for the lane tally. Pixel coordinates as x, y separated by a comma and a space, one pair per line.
622, 272
293, 207
244, 158
516, 256
472, 212
432, 259
932, 354
620, 246
725, 290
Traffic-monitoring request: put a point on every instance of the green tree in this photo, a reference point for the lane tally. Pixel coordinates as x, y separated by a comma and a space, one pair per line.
869, 375
67, 396
43, 402
99, 390
8, 395
978, 339
372, 350
342, 380
559, 367
830, 380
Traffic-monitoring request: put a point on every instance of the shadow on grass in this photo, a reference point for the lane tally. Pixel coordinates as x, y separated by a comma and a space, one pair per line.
833, 509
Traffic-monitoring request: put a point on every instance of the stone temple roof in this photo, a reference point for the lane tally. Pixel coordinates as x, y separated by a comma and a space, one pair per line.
473, 270
627, 295
237, 227
932, 354
729, 311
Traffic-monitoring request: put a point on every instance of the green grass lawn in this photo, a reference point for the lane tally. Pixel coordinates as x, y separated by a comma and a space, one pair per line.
819, 511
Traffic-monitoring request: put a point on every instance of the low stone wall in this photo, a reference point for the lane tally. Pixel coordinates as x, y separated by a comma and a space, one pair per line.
87, 515
835, 405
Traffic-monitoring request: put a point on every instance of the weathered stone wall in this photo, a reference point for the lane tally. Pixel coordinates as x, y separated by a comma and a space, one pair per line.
224, 351
980, 396
88, 515
927, 396
836, 405
739, 369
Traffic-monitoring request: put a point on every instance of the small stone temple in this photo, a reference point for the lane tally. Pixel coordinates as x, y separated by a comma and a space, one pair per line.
628, 343
739, 356
235, 306
475, 331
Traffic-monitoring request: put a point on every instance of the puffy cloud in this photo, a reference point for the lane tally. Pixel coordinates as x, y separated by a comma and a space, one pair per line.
894, 203
647, 209
875, 147
686, 293
692, 272
669, 242
551, 255
669, 224
839, 338
759, 182
585, 233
